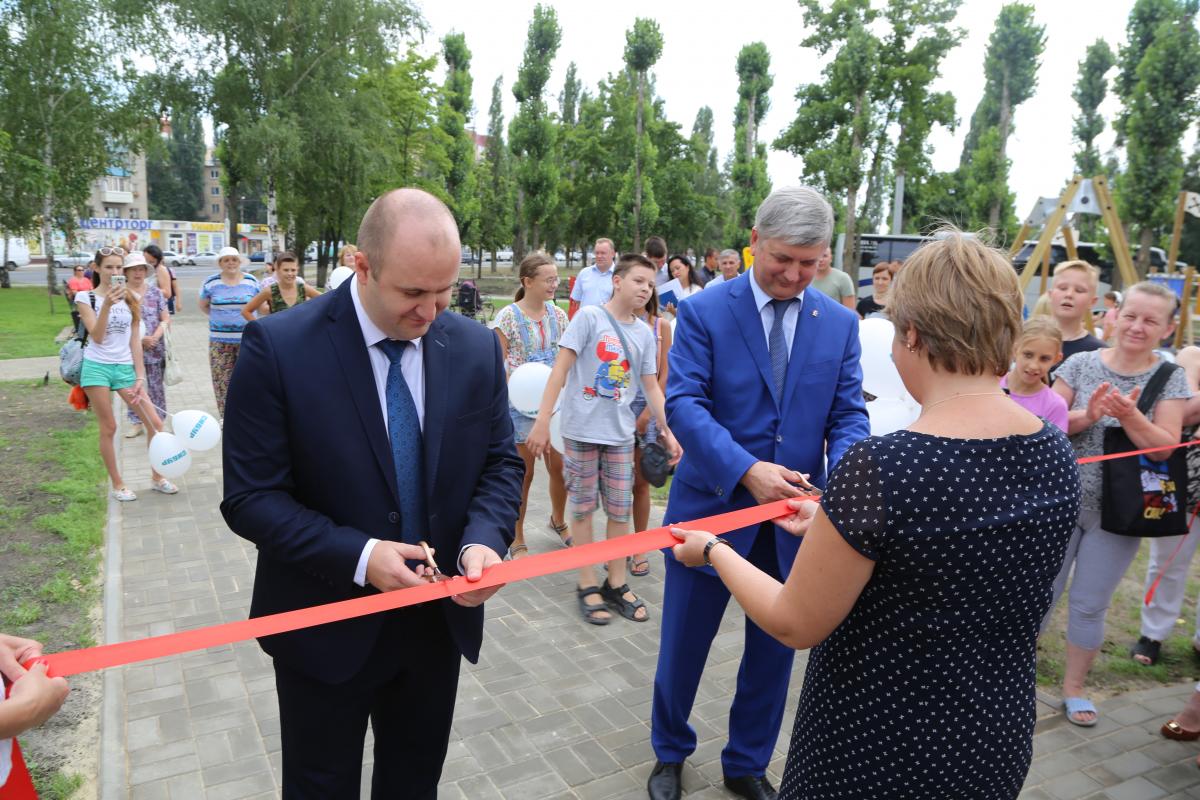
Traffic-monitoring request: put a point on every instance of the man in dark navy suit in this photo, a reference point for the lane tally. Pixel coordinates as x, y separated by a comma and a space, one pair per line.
358, 425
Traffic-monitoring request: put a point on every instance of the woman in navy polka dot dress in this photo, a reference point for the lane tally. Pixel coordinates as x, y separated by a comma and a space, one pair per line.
925, 572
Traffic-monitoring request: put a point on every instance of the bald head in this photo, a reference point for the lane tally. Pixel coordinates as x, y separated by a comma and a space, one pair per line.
414, 216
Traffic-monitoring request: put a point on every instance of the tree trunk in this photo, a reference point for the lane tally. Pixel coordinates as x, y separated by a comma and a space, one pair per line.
5, 283
848, 254
272, 219
1005, 123
519, 230
48, 243
751, 131
637, 167
1145, 240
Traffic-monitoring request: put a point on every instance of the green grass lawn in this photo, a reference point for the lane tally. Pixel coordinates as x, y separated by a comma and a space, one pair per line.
27, 327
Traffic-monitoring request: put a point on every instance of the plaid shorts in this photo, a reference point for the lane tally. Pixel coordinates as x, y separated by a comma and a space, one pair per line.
606, 467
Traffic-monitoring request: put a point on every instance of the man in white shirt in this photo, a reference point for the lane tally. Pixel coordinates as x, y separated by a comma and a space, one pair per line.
594, 285
728, 263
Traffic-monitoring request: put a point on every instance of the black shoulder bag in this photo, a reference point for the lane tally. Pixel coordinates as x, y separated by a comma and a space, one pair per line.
1142, 497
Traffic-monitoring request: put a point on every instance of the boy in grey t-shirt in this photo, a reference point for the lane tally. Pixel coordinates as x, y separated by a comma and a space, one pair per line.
603, 354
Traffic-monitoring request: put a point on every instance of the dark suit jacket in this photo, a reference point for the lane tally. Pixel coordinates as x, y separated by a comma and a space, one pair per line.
309, 476
723, 409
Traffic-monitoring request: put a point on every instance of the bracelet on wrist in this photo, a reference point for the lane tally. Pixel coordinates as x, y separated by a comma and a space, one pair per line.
708, 548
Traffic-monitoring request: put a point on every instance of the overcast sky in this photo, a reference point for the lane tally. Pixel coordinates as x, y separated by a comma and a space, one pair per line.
701, 42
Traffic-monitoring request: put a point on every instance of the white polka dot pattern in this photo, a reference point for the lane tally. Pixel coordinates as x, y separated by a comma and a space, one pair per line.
926, 690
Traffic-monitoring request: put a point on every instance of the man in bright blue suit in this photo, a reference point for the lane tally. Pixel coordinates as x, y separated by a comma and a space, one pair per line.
765, 388
359, 424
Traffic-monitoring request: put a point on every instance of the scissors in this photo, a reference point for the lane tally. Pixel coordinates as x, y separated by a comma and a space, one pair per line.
435, 574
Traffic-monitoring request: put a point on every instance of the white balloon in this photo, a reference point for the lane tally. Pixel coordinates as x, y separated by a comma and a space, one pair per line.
337, 276
880, 377
526, 385
168, 456
890, 414
198, 430
556, 437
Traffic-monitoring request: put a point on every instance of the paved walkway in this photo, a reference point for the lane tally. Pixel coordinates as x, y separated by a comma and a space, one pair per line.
555, 708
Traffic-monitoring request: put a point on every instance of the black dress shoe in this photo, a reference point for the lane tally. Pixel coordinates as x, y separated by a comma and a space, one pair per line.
752, 787
666, 781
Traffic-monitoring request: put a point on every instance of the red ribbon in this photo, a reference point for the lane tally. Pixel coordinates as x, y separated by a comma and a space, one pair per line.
73, 662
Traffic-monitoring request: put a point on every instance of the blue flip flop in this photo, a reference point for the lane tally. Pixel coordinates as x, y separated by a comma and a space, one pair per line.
1079, 705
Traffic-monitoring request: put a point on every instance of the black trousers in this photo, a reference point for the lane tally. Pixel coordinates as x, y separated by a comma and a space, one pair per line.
406, 690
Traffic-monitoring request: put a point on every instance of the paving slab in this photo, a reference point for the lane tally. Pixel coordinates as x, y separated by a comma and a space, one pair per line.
554, 708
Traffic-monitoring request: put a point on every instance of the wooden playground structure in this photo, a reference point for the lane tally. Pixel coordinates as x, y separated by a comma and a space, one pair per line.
1092, 196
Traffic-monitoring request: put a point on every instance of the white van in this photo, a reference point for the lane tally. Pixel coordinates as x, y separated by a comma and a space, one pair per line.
18, 253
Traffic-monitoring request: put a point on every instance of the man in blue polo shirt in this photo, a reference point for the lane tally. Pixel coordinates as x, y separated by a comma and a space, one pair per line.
594, 285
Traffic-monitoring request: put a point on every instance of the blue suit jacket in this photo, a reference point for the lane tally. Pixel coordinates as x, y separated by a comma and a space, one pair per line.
309, 476
722, 404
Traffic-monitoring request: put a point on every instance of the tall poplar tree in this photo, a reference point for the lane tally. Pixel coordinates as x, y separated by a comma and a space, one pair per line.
495, 197
532, 132
453, 114
1160, 107
1010, 66
749, 175
643, 46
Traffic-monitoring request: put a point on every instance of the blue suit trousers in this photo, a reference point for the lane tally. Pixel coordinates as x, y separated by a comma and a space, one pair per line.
693, 604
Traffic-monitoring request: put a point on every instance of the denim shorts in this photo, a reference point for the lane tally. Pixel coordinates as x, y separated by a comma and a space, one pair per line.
521, 425
113, 376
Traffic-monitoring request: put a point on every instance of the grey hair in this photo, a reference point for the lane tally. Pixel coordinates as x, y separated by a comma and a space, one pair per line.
1154, 290
797, 215
730, 254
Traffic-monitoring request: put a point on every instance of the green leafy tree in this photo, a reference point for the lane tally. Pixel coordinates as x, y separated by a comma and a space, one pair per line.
274, 62
750, 182
24, 181
1010, 67
1160, 108
453, 115
709, 181
495, 182
65, 105
1090, 91
837, 118
918, 39
175, 169
532, 132
643, 46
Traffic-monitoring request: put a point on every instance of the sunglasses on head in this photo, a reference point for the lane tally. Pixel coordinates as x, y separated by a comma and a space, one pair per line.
111, 251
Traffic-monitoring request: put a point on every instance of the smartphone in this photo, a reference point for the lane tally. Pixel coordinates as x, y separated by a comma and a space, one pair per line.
117, 280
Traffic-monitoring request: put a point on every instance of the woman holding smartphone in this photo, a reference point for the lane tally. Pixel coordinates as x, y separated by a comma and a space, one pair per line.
112, 361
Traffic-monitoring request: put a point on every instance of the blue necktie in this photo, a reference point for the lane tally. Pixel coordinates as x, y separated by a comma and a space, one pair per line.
404, 431
777, 345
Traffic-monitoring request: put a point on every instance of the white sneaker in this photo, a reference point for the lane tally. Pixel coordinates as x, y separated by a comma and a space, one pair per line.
123, 495
134, 432
165, 486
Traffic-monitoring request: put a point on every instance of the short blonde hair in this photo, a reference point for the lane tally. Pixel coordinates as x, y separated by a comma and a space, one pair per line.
1041, 308
964, 302
1093, 274
1040, 328
346, 248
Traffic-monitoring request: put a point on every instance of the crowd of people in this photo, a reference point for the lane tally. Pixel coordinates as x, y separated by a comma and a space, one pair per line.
920, 567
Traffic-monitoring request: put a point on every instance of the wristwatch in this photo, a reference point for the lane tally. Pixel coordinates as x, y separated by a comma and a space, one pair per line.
713, 542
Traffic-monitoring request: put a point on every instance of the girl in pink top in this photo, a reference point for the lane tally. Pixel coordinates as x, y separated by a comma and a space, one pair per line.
1038, 349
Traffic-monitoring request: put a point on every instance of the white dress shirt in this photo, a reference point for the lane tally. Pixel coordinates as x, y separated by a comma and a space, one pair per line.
767, 312
593, 286
412, 366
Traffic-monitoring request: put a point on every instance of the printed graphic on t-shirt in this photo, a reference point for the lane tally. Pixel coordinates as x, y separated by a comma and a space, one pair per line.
612, 376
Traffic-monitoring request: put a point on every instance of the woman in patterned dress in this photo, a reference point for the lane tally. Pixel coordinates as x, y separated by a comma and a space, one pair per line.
926, 569
529, 330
